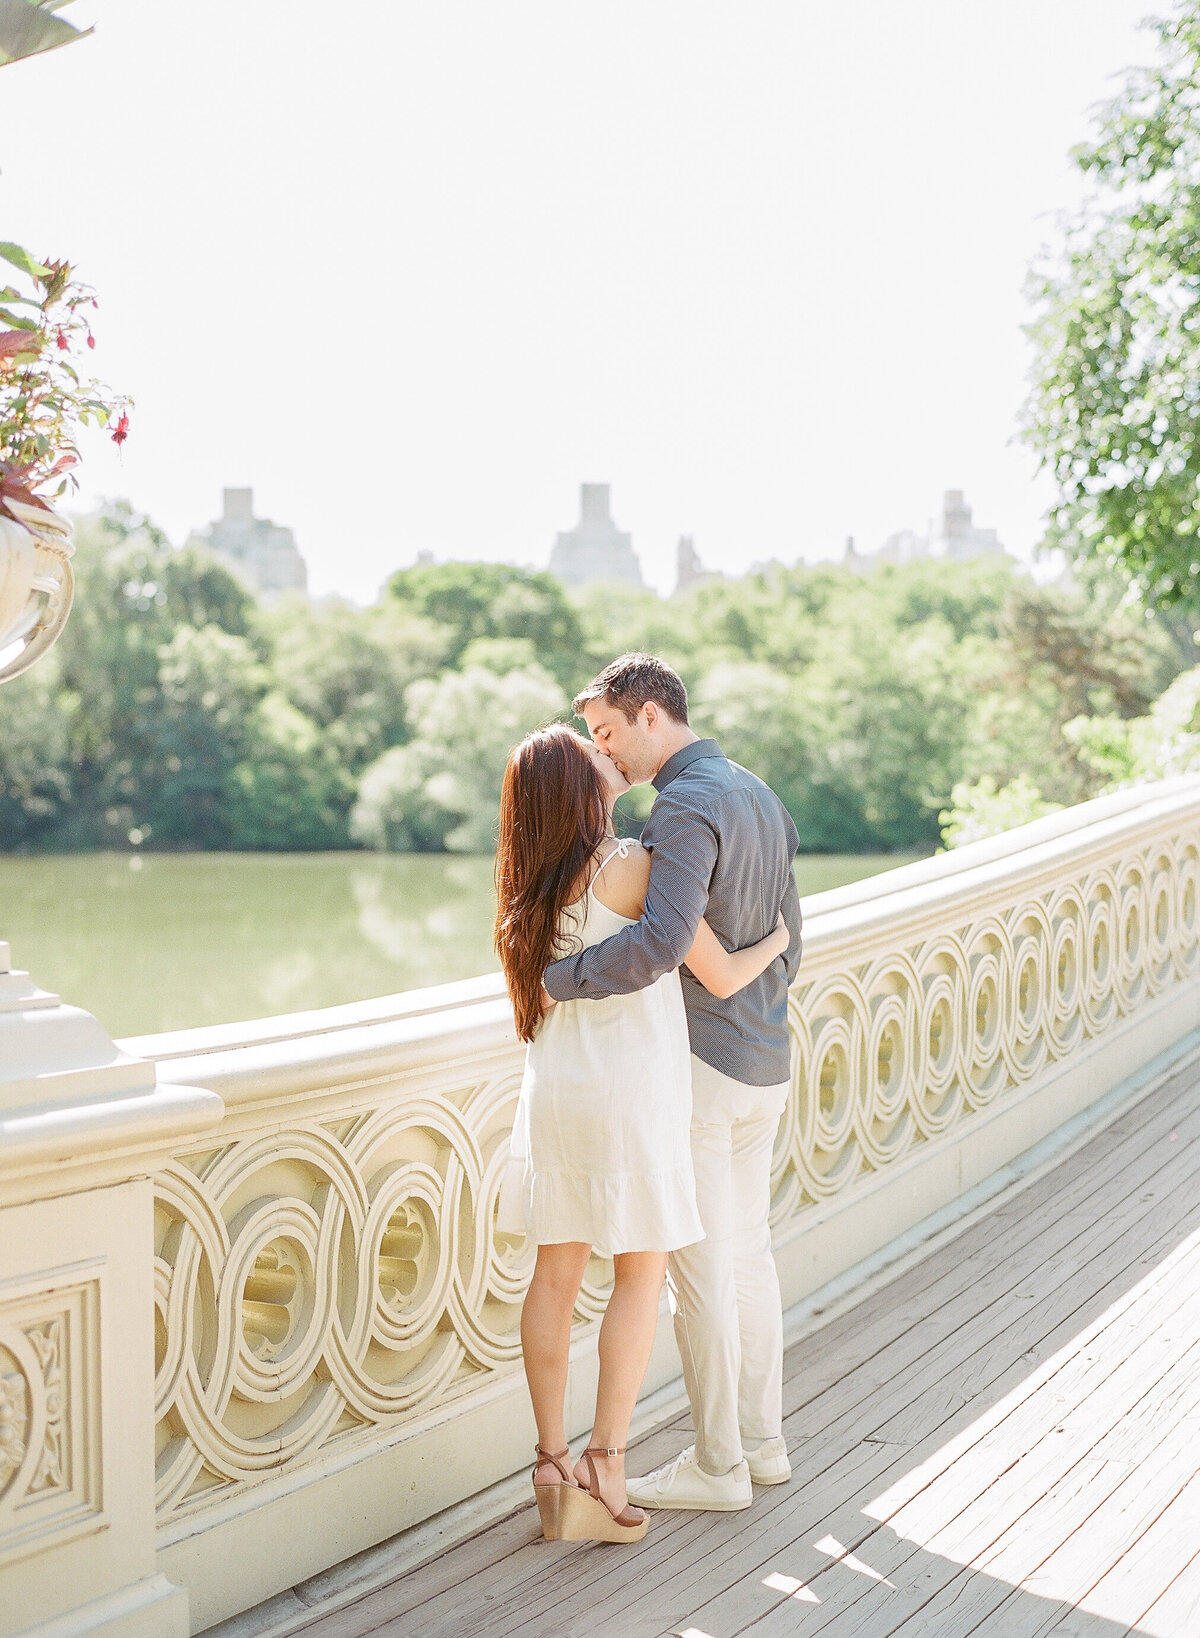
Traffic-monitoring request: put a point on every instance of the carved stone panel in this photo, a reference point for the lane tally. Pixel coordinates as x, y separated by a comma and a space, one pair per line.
50, 1478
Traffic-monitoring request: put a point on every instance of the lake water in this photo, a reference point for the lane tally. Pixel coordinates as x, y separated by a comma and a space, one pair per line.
162, 941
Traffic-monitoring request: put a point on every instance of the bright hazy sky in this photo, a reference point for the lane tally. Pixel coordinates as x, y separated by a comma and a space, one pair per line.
415, 271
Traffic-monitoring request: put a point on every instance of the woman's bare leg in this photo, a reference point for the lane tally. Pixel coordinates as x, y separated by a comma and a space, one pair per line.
546, 1341
626, 1340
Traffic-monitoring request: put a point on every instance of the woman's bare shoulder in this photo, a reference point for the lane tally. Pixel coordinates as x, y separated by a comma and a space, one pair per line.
621, 885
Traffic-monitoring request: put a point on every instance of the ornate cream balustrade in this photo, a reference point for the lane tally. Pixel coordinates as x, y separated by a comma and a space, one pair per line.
951, 1014
336, 1319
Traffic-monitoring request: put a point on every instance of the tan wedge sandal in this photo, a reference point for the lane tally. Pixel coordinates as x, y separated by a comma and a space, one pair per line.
550, 1496
588, 1515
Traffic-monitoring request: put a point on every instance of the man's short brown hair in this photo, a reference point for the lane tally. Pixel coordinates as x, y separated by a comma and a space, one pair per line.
632, 679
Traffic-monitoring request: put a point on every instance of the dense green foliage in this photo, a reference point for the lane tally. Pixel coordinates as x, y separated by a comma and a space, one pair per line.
1115, 407
983, 808
1119, 750
494, 615
176, 711
442, 789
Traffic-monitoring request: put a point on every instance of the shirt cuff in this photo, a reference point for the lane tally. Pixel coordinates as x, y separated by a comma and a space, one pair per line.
557, 979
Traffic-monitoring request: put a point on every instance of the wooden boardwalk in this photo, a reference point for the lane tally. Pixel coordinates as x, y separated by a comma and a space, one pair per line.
1004, 1441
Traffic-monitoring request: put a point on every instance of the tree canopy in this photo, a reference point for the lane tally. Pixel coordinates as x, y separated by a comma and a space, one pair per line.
474, 601
1114, 411
177, 711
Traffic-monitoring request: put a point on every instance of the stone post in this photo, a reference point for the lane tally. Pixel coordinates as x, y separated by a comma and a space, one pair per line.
81, 1126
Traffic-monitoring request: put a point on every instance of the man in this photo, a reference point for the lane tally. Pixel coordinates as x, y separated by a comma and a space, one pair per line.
722, 846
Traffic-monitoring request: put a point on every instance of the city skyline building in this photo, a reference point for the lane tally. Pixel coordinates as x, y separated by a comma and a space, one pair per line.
953, 534
264, 553
689, 570
595, 549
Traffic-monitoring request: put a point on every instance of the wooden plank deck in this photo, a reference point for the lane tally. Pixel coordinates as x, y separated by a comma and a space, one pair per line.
1004, 1442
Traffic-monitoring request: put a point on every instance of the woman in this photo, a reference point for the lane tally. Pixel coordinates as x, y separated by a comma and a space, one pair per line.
601, 1159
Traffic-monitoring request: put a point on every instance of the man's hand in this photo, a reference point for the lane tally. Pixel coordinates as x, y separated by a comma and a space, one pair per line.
548, 1000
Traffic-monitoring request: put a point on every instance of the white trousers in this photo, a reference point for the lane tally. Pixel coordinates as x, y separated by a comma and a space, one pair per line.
724, 1290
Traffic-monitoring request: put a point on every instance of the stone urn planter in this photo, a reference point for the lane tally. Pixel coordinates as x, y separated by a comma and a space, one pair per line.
36, 584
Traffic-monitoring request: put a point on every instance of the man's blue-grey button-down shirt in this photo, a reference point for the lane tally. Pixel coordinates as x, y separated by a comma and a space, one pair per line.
722, 845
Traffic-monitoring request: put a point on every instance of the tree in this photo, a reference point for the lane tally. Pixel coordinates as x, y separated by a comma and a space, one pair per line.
235, 765
474, 600
211, 687
1163, 743
442, 789
1114, 412
347, 669
983, 809
1119, 750
135, 594
35, 760
289, 790
896, 702
1057, 657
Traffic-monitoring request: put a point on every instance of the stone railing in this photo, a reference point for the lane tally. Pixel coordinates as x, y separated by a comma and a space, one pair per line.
336, 1319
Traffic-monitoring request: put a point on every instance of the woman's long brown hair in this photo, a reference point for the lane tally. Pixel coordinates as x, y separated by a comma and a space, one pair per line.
553, 817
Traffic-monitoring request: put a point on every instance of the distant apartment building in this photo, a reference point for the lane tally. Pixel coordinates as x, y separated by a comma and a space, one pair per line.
595, 549
952, 535
263, 553
689, 571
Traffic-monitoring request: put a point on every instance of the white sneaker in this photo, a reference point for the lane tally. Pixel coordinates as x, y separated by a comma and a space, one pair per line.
683, 1484
769, 1463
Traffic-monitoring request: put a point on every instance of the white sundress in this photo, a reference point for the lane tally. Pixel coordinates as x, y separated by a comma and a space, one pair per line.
600, 1149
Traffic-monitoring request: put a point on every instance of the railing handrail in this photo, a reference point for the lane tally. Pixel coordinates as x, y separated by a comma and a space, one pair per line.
214, 1039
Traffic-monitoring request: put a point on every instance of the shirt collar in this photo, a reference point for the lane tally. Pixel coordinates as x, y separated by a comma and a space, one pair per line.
690, 753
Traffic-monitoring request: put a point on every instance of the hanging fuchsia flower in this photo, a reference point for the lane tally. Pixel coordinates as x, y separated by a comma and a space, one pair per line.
41, 422
91, 341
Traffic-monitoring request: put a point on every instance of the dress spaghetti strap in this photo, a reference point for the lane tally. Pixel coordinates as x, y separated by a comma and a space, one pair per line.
621, 850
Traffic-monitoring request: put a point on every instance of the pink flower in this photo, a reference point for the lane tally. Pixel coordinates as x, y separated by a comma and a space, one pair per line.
121, 430
62, 341
91, 341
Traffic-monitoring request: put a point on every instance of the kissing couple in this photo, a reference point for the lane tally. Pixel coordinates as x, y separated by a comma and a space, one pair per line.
651, 982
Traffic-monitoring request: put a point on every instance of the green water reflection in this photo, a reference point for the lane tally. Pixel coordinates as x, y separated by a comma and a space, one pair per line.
168, 941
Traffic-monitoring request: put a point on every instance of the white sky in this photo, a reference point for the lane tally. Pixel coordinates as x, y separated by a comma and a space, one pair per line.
415, 271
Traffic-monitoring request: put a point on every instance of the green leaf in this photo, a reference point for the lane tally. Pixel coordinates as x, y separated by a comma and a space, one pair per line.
26, 29
17, 322
13, 254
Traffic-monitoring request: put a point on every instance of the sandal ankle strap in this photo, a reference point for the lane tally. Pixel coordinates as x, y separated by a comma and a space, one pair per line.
627, 1516
593, 1476
555, 1458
